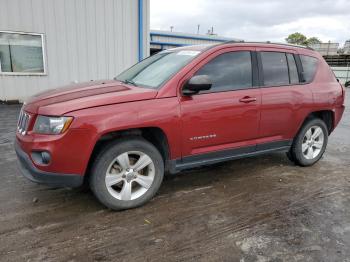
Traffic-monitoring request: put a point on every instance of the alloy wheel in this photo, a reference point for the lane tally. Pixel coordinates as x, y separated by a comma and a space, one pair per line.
130, 175
312, 142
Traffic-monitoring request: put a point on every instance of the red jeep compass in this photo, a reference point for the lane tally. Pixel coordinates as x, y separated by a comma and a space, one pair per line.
179, 109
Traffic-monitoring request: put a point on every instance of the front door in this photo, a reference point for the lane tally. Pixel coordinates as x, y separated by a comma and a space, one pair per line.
225, 117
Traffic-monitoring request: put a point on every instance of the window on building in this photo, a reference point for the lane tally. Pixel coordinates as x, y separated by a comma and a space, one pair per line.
293, 71
275, 68
229, 71
309, 67
21, 53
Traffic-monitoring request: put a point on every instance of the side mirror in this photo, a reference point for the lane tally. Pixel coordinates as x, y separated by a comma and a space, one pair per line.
347, 84
196, 84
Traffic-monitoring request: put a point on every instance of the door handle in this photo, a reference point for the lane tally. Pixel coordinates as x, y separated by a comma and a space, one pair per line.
247, 99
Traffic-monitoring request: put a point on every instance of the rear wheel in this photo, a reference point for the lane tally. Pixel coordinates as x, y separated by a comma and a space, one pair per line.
310, 143
127, 173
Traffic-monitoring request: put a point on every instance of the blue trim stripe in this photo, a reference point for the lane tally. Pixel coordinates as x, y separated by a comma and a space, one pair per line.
191, 37
140, 17
167, 43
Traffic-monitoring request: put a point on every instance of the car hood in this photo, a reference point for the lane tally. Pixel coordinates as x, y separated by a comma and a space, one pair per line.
85, 95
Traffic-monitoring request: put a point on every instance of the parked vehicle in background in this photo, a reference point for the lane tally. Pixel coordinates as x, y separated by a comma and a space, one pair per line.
179, 109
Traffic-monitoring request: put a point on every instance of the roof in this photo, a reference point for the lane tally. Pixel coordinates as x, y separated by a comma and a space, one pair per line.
268, 43
241, 43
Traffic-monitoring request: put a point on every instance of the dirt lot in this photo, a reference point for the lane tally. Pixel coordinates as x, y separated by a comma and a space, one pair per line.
257, 209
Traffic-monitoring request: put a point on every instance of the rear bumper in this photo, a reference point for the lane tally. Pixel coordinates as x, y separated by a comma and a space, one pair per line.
29, 171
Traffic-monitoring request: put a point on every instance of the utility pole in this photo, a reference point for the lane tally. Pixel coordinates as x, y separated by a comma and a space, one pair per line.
329, 43
171, 28
198, 26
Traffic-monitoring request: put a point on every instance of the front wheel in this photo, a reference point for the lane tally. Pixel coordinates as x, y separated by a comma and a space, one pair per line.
310, 143
127, 173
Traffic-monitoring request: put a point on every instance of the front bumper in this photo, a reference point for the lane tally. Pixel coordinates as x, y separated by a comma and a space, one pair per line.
29, 171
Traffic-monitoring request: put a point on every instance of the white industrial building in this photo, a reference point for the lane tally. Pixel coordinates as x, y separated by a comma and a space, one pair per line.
347, 47
326, 48
161, 40
49, 43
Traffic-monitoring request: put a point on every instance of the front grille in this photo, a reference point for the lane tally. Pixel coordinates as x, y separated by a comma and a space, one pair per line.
23, 122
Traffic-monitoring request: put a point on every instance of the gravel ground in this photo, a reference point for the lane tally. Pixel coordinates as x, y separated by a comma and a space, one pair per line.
256, 209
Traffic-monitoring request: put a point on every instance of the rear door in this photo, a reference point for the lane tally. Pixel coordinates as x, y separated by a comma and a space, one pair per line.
226, 116
285, 100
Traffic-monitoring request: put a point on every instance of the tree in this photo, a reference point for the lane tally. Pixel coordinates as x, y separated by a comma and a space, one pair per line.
300, 39
297, 39
313, 40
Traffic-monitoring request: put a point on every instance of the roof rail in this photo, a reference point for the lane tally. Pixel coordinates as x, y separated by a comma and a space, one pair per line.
268, 42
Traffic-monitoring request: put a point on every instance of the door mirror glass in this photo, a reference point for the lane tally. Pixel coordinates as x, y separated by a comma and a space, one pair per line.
196, 84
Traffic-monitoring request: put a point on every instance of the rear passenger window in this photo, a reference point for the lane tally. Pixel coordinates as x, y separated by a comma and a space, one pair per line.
293, 72
229, 71
309, 67
275, 68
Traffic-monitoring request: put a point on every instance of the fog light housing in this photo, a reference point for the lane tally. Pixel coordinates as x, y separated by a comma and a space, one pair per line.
41, 157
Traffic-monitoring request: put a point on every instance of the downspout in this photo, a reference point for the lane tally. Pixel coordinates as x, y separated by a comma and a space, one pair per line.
140, 17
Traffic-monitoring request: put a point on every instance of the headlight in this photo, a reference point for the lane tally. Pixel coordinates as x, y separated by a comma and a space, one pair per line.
52, 125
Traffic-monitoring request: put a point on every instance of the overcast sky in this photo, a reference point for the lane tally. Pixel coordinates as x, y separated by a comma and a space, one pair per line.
258, 20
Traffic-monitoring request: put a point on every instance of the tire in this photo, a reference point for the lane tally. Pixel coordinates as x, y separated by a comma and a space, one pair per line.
125, 187
290, 156
307, 148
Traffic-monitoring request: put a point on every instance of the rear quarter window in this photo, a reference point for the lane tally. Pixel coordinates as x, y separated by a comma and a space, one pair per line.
309, 65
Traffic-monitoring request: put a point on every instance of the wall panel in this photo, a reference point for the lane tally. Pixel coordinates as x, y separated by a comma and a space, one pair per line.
85, 40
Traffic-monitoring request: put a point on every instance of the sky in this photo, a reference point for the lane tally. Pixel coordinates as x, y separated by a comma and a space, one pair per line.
254, 20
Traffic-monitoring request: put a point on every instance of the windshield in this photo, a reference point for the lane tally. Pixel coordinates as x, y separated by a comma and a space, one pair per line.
155, 70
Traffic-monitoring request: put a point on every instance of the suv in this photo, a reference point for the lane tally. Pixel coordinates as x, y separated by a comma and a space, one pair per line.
179, 109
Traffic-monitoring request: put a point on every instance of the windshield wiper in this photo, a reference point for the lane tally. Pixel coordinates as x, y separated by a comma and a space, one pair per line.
129, 81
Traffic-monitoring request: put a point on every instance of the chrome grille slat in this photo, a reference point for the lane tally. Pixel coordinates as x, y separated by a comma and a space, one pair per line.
24, 125
19, 119
23, 122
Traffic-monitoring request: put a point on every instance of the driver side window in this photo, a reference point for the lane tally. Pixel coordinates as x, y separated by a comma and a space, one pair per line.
229, 71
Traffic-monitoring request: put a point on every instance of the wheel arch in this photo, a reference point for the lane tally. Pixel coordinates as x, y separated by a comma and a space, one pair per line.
155, 135
326, 116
